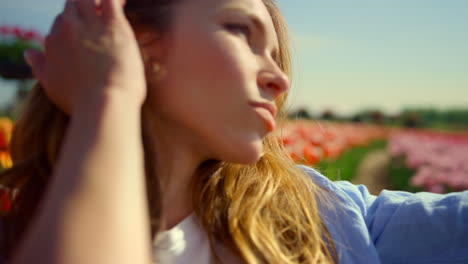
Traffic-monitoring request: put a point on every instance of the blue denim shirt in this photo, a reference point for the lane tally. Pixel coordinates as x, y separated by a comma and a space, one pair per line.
396, 226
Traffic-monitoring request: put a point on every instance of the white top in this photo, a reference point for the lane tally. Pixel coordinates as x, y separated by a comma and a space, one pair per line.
188, 243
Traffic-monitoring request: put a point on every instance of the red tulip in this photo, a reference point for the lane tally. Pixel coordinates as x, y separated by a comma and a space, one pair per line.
17, 32
312, 154
5, 201
29, 35
3, 141
4, 30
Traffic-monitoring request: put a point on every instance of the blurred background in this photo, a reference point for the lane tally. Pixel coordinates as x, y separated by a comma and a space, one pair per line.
380, 88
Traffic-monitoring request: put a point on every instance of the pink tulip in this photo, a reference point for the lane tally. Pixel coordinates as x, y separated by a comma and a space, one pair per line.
436, 188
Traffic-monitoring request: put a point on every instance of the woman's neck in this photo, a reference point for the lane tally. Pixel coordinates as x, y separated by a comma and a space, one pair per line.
176, 202
176, 169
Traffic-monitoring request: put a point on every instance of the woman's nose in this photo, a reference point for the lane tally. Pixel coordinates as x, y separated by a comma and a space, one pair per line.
274, 82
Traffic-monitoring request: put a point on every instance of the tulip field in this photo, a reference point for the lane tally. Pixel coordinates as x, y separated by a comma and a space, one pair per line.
420, 160
6, 127
335, 149
429, 161
314, 141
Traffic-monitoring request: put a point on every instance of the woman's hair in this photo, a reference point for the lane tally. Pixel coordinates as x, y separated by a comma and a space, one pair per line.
265, 212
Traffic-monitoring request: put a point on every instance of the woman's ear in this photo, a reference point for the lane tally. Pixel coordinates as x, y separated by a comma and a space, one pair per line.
153, 51
151, 46
145, 38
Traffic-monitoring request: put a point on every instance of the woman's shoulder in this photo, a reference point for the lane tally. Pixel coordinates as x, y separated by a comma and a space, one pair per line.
402, 226
388, 202
342, 212
348, 193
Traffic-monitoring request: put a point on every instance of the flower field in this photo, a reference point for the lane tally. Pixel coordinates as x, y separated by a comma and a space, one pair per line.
20, 33
14, 41
310, 142
430, 161
335, 149
6, 127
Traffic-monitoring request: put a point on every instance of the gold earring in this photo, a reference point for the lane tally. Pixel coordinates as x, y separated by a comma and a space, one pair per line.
144, 57
156, 67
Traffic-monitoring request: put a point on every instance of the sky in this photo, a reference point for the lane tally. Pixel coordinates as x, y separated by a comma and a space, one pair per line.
348, 55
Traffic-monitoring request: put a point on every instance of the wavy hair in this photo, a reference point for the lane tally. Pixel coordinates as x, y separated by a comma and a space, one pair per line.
265, 212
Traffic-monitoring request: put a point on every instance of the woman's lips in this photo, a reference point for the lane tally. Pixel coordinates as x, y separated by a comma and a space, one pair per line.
267, 112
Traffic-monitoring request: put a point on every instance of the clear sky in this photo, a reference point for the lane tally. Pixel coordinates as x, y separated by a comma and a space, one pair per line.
350, 55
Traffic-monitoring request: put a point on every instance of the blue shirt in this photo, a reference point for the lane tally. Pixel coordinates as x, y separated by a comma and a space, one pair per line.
396, 226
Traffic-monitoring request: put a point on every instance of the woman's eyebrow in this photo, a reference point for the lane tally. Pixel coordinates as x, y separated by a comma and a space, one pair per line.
256, 21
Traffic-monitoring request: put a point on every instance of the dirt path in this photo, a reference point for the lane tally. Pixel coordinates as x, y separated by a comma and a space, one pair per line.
372, 172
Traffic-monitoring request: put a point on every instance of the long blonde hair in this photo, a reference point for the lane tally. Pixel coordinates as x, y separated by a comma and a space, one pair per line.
265, 212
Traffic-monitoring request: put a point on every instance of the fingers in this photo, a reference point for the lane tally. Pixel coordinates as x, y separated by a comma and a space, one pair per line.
71, 11
112, 8
69, 15
56, 25
37, 61
87, 9
91, 10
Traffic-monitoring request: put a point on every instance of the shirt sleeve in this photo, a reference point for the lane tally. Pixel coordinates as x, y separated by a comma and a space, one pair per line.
410, 228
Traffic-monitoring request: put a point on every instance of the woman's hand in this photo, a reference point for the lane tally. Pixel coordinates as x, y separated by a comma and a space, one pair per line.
90, 52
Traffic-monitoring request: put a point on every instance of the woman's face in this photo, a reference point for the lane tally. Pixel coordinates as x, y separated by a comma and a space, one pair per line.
219, 68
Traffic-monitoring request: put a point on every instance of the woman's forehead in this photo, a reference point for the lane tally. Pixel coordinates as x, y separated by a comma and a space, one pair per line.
252, 7
255, 9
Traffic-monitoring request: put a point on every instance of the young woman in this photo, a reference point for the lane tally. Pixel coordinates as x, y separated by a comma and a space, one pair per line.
147, 139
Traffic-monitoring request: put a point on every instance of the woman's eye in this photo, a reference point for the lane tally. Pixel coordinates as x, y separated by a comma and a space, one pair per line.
239, 29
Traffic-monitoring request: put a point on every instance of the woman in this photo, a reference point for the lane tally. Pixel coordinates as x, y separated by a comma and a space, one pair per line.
167, 105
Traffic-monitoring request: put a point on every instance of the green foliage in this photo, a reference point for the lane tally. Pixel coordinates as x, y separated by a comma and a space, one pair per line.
434, 118
399, 175
345, 167
12, 51
429, 117
301, 113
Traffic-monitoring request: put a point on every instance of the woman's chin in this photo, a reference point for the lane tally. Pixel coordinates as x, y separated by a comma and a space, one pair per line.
246, 153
